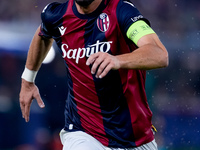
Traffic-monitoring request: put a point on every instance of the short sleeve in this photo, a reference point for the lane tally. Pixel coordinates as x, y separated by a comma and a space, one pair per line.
47, 19
127, 14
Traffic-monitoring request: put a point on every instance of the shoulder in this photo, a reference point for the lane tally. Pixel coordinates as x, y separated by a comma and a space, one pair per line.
126, 2
127, 7
53, 11
127, 14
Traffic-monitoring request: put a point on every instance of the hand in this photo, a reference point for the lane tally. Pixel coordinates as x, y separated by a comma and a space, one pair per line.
29, 91
102, 63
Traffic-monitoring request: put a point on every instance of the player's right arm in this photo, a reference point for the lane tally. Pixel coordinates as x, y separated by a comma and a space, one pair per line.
38, 50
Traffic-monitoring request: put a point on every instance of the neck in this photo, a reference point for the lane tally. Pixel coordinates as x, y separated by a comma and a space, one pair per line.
88, 9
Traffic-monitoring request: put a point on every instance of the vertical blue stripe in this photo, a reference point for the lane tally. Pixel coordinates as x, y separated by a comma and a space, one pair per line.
114, 108
71, 111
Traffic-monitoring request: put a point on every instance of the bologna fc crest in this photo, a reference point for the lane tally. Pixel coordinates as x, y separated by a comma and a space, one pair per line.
103, 22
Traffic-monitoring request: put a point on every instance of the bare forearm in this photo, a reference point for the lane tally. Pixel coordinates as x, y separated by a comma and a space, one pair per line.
37, 52
146, 57
151, 54
38, 49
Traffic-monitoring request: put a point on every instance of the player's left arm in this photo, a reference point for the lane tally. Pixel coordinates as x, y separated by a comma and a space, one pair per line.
150, 54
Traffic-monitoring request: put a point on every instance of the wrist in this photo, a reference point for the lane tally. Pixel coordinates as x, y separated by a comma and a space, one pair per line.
29, 75
120, 62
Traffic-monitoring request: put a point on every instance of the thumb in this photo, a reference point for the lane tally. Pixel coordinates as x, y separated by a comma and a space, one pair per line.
39, 101
38, 98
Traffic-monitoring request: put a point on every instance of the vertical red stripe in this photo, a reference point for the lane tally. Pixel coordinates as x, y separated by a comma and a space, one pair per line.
101, 24
83, 85
134, 90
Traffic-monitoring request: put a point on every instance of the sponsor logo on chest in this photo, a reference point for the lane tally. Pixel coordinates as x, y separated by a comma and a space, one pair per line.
103, 23
79, 53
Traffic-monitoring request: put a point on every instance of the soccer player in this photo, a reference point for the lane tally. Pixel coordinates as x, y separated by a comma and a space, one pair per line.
107, 45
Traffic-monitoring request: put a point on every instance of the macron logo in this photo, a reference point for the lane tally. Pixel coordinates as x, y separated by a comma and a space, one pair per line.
62, 30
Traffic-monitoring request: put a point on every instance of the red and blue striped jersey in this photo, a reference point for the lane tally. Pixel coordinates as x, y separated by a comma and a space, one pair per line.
113, 109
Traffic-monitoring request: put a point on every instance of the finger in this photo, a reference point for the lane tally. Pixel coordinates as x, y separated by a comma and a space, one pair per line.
101, 68
22, 109
21, 102
105, 71
39, 100
27, 112
97, 63
91, 59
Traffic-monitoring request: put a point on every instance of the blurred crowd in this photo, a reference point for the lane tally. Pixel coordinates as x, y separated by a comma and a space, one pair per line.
173, 93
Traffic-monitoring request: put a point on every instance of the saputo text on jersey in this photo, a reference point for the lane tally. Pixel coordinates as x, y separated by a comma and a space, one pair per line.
82, 52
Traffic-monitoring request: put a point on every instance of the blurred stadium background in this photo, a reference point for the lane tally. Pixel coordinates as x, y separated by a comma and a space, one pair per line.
173, 93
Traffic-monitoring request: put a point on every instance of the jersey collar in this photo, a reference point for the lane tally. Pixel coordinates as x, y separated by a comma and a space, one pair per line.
95, 13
